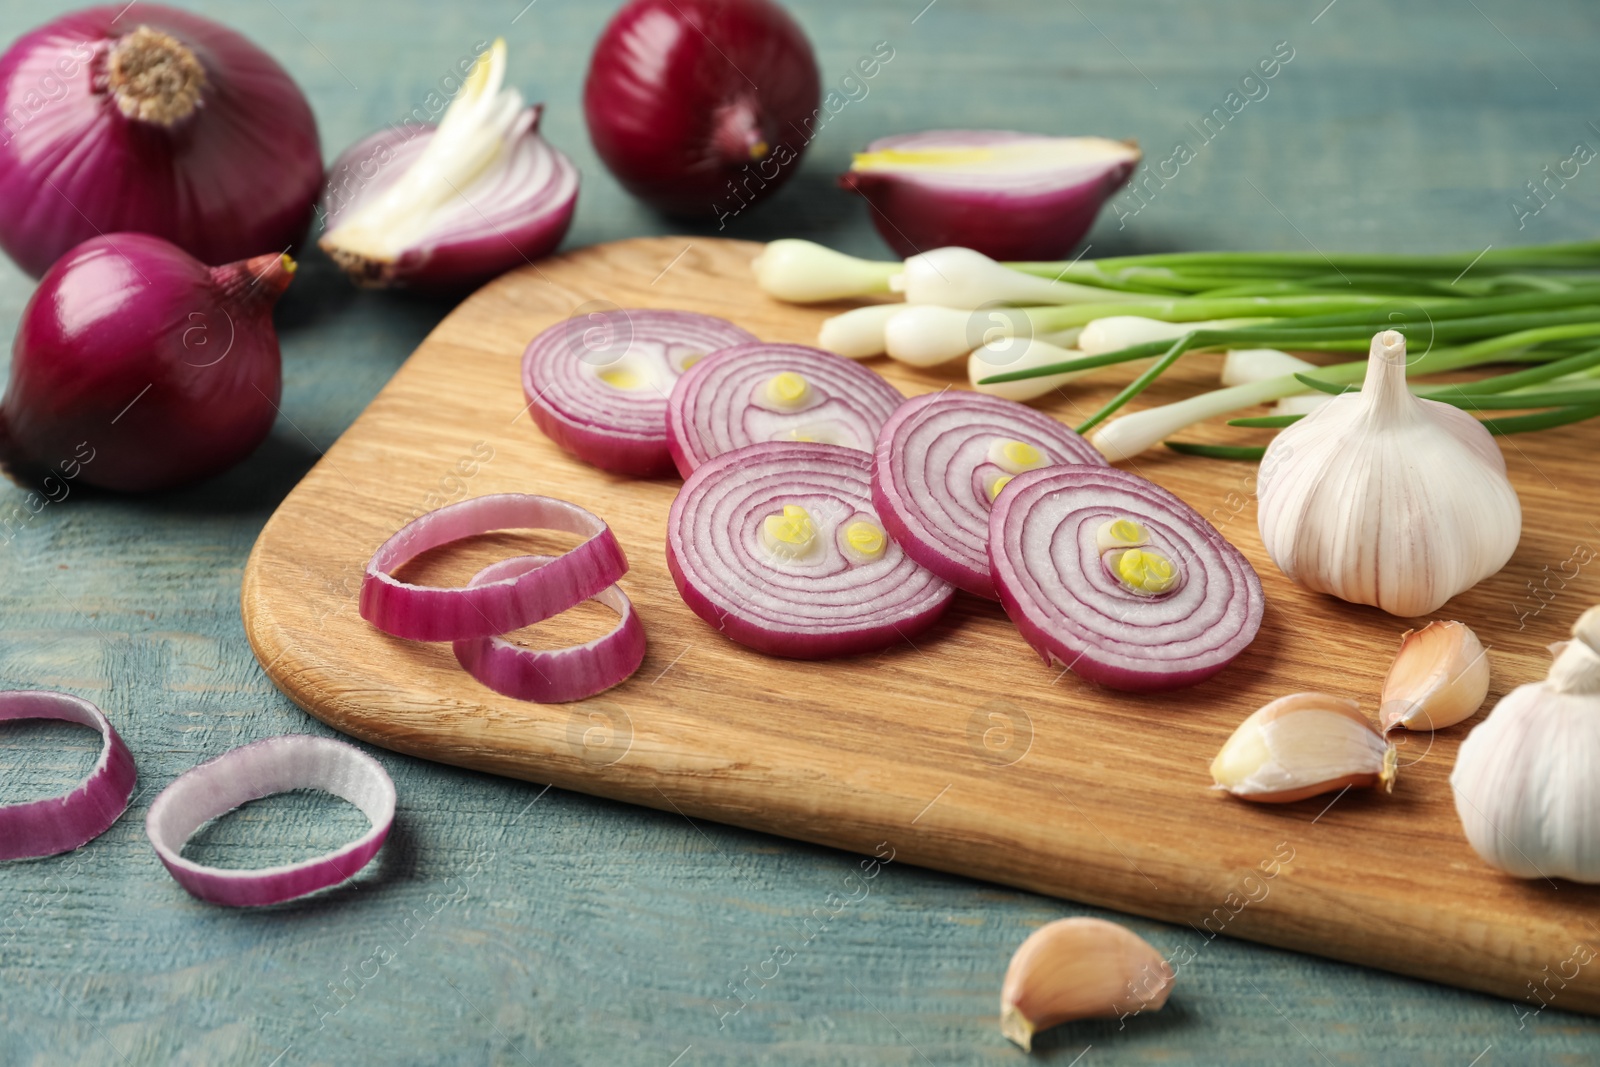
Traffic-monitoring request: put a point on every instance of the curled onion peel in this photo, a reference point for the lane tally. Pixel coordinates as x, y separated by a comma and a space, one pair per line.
555, 676
432, 613
774, 392
260, 769
597, 383
60, 824
941, 461
778, 546
452, 205
1009, 195
157, 121
1115, 578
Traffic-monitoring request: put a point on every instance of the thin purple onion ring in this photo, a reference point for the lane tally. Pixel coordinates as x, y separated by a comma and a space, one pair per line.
555, 676
597, 383
1056, 582
260, 769
726, 402
431, 613
938, 462
60, 824
828, 603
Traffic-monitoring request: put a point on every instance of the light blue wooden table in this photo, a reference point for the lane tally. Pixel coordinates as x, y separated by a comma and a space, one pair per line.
507, 925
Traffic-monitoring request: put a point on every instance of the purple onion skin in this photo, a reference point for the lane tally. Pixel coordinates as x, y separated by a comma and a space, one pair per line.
912, 217
137, 367
449, 266
676, 119
237, 178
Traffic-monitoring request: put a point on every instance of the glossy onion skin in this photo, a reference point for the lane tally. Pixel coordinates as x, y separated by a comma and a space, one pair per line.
238, 178
678, 90
142, 367
914, 216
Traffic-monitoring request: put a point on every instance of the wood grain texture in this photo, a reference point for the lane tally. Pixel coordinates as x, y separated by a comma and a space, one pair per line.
961, 752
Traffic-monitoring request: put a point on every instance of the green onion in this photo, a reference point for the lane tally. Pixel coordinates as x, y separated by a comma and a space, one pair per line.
1251, 452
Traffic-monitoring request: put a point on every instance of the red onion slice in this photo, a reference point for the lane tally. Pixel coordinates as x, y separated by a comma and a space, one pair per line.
1011, 196
60, 824
555, 676
597, 384
940, 461
431, 613
1058, 539
771, 392
778, 546
260, 769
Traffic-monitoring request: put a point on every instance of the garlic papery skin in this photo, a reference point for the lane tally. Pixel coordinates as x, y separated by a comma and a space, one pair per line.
1301, 745
1241, 366
1080, 969
1380, 497
1128, 435
1021, 353
962, 278
1116, 332
858, 333
1440, 677
1527, 778
803, 272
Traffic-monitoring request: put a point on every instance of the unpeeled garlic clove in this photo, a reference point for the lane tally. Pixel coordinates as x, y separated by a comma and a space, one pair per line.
1440, 677
1079, 969
1301, 745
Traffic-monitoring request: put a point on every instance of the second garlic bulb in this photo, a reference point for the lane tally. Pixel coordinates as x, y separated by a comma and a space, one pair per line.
1380, 497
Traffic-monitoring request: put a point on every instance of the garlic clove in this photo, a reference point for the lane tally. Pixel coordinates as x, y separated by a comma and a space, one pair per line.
1440, 677
1301, 745
1525, 783
1079, 969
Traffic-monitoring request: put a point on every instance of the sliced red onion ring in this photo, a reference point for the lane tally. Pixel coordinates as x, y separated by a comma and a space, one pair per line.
260, 769
431, 613
60, 824
778, 546
770, 392
940, 462
597, 383
557, 675
1119, 580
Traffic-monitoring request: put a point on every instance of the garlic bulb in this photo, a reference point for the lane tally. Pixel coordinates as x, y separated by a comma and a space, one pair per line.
1527, 779
1380, 497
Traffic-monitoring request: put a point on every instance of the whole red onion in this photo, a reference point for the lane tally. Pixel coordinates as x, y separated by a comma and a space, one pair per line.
151, 120
702, 107
138, 367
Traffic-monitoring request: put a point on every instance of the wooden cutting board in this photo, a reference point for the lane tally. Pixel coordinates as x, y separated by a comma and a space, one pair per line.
962, 753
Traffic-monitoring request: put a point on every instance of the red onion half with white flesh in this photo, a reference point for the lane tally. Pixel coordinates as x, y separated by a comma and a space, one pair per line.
778, 546
61, 824
555, 676
774, 392
941, 461
260, 769
1114, 577
597, 383
450, 206
433, 613
1011, 196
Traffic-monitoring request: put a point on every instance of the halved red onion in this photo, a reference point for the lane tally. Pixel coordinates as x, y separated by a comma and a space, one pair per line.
432, 613
1114, 577
778, 546
554, 676
60, 824
597, 383
941, 460
774, 392
260, 769
1011, 196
